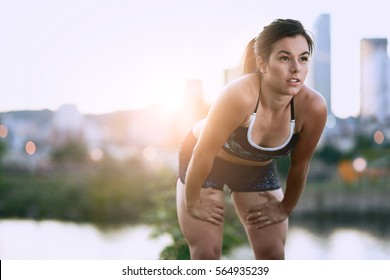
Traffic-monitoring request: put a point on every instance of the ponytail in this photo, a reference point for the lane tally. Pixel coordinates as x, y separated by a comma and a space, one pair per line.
249, 63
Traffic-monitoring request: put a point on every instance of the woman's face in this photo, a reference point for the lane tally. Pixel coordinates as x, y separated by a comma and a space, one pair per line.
287, 67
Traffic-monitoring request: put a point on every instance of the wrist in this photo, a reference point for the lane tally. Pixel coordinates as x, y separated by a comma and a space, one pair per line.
286, 208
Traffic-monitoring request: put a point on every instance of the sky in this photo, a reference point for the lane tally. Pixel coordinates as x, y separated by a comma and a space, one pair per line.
109, 55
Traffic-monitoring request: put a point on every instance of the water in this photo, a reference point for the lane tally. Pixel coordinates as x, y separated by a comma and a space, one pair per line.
341, 244
26, 239
334, 239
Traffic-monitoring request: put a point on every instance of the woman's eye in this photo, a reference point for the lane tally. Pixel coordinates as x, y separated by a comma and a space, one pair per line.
284, 58
304, 58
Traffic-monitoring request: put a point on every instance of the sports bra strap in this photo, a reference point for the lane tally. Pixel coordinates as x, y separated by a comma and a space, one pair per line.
292, 109
257, 105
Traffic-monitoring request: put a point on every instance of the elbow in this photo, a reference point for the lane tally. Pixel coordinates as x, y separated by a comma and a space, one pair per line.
202, 157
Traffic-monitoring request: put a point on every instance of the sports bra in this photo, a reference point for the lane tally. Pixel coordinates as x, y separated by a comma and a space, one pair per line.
240, 143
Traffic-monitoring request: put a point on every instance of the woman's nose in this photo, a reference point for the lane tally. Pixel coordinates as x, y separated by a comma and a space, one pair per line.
296, 68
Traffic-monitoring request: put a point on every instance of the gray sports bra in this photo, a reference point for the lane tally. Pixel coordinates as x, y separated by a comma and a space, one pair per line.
240, 143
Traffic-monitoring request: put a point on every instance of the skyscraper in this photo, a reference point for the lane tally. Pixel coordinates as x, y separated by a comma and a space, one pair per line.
321, 65
374, 79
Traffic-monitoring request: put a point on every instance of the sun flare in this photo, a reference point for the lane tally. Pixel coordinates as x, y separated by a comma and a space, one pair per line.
170, 95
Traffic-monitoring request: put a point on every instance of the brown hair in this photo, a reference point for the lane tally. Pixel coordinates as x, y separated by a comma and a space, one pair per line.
262, 45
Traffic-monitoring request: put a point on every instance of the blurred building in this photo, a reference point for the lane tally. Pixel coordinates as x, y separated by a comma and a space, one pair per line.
67, 124
374, 80
320, 74
152, 134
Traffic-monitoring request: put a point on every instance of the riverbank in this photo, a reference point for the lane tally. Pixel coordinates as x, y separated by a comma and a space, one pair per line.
353, 201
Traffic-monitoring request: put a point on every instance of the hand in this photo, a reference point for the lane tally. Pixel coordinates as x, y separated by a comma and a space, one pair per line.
268, 213
207, 208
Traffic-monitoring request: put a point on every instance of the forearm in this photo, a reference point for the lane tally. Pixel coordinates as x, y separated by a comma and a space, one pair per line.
198, 169
296, 180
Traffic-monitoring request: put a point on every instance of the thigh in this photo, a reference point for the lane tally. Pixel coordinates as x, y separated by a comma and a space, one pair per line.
268, 242
199, 234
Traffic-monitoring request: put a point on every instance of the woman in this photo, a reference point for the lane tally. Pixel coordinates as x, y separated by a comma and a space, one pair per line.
267, 113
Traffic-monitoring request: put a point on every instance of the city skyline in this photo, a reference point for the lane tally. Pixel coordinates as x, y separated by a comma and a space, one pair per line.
104, 57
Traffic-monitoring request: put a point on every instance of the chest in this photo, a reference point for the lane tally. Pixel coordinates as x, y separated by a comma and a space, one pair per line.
271, 132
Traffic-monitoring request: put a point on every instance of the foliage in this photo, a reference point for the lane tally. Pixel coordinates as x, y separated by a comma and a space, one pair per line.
164, 219
72, 150
330, 154
106, 192
3, 150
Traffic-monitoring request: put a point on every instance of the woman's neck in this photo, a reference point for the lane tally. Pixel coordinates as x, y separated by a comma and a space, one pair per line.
271, 102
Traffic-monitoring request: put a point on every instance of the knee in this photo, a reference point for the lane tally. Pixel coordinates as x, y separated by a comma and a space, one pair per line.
270, 252
205, 252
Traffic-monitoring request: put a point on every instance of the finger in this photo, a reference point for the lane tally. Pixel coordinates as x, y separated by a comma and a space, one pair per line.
264, 224
218, 218
216, 211
255, 209
220, 211
259, 220
255, 215
215, 221
218, 204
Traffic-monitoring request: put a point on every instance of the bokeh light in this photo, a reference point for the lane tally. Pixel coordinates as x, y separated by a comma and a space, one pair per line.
3, 131
96, 154
379, 137
359, 164
331, 121
30, 148
149, 153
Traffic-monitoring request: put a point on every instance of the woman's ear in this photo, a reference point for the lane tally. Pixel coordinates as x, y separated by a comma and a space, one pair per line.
260, 65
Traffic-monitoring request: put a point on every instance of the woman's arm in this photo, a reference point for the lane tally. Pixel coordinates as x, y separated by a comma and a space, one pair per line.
228, 112
313, 125
313, 122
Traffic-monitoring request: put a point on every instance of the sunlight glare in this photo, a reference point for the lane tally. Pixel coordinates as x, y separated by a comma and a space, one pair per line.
150, 153
170, 95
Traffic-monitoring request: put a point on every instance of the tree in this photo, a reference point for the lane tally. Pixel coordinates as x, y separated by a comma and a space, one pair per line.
73, 150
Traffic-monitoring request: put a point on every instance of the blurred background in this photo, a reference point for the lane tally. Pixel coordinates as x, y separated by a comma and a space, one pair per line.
95, 97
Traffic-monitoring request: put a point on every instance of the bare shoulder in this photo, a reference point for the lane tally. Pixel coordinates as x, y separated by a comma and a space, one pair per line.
239, 96
310, 109
311, 102
230, 110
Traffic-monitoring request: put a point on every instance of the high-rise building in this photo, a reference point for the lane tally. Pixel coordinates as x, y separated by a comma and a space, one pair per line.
321, 64
374, 80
